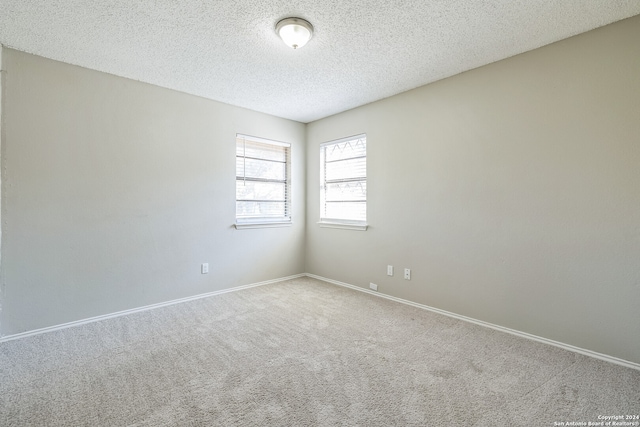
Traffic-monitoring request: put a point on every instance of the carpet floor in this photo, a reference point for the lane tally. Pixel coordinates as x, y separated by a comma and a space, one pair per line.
301, 353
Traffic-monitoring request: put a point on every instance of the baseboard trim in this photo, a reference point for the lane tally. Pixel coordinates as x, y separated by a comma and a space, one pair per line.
562, 345
144, 308
590, 353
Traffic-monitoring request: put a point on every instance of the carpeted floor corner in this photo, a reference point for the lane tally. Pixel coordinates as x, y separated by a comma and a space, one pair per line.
301, 353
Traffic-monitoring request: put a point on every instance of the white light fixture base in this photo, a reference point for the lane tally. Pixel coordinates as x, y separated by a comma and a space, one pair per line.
294, 32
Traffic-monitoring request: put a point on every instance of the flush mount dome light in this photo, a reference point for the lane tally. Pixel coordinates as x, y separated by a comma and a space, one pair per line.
295, 32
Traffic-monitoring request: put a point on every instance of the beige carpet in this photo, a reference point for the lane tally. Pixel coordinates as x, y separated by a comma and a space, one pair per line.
301, 353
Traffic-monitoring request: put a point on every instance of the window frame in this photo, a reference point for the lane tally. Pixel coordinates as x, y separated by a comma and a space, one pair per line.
347, 224
265, 221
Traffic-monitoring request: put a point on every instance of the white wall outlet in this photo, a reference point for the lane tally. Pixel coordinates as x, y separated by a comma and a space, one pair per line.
204, 268
389, 270
407, 274
373, 286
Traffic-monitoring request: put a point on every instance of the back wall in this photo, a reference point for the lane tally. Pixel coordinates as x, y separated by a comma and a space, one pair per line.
512, 191
115, 191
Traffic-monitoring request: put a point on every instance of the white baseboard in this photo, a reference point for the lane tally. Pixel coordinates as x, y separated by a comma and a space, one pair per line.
569, 347
139, 309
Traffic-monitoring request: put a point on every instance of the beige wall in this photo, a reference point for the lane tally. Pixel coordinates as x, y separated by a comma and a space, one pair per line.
114, 192
512, 192
2, 74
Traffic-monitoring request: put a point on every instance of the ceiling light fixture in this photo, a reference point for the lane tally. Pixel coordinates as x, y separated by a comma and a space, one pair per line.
294, 32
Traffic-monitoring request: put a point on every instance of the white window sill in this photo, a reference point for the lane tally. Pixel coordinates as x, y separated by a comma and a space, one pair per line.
343, 225
247, 225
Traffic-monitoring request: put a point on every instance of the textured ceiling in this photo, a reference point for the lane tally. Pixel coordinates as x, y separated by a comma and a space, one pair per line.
361, 51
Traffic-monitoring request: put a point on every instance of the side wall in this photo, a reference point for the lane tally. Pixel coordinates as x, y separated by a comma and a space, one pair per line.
2, 74
512, 192
114, 192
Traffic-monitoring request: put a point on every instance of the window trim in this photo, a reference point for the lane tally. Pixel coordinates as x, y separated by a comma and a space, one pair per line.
339, 223
344, 225
268, 222
248, 225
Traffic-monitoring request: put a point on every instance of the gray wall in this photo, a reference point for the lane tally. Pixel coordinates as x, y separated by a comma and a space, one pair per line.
512, 192
114, 192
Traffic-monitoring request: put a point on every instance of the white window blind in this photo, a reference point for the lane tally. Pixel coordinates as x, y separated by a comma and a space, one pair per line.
263, 183
343, 177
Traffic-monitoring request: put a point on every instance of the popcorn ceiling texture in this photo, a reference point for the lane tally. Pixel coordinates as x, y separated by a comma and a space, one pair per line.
228, 51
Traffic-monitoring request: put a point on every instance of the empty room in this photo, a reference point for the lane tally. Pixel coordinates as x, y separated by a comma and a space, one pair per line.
320, 213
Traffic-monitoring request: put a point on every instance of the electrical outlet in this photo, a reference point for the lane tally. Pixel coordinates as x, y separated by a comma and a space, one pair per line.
373, 286
204, 268
389, 270
407, 274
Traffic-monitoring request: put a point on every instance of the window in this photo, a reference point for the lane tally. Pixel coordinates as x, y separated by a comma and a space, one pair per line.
343, 180
263, 182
